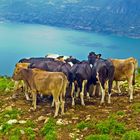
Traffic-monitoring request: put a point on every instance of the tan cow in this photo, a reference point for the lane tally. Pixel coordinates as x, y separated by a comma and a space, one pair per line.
20, 83
125, 70
47, 83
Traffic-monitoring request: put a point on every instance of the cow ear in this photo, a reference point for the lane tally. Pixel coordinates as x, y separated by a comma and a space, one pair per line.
98, 55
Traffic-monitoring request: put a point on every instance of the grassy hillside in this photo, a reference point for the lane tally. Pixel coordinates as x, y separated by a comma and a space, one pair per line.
118, 121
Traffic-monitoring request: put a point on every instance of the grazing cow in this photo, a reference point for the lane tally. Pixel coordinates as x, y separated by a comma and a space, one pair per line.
102, 70
125, 70
81, 72
47, 83
20, 83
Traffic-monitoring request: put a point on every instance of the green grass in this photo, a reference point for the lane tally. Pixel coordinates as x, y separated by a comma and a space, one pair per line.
110, 126
120, 113
6, 83
82, 125
30, 123
15, 134
5, 128
30, 133
131, 135
98, 137
136, 107
49, 130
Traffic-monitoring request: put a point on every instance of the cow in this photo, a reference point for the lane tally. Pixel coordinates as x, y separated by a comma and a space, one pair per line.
47, 83
20, 83
35, 59
125, 70
102, 71
56, 66
81, 73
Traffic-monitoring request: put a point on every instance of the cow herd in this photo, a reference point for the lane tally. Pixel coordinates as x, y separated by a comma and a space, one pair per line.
53, 74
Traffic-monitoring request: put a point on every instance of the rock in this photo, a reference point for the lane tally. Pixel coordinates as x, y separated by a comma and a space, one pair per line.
85, 129
72, 135
46, 120
12, 121
75, 118
41, 118
88, 117
22, 132
59, 122
8, 108
22, 121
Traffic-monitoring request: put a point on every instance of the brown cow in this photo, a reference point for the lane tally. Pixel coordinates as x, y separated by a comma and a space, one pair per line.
20, 83
48, 83
125, 70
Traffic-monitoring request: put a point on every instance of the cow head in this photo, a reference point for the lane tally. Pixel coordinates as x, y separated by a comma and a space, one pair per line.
17, 71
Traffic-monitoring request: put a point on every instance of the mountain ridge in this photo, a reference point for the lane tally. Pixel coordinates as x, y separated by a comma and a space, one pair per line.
117, 17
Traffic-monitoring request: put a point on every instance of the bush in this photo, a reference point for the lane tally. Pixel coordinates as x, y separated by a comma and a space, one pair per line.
49, 130
131, 135
136, 107
6, 83
30, 133
138, 70
110, 126
98, 137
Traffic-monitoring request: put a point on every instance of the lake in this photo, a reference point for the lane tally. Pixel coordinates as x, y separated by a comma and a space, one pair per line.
31, 40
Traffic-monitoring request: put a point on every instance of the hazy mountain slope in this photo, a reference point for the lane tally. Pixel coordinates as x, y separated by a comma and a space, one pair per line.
110, 16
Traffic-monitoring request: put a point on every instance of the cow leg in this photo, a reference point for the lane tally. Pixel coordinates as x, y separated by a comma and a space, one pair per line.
26, 92
82, 92
52, 103
118, 87
130, 86
57, 104
62, 102
110, 82
72, 94
87, 89
101, 84
34, 99
94, 90
103, 94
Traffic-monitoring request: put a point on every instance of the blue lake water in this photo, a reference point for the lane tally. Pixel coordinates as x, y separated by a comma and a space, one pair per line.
30, 40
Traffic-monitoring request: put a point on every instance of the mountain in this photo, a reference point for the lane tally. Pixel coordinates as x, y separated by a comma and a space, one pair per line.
107, 16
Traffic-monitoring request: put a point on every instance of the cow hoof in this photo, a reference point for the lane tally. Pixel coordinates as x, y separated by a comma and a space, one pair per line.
102, 103
55, 116
62, 113
83, 104
131, 101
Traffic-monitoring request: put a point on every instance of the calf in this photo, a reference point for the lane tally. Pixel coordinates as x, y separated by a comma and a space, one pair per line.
47, 83
125, 70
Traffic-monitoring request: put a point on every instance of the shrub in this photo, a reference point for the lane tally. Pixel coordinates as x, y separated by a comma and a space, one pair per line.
6, 83
131, 135
98, 137
110, 126
49, 130
30, 133
136, 107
